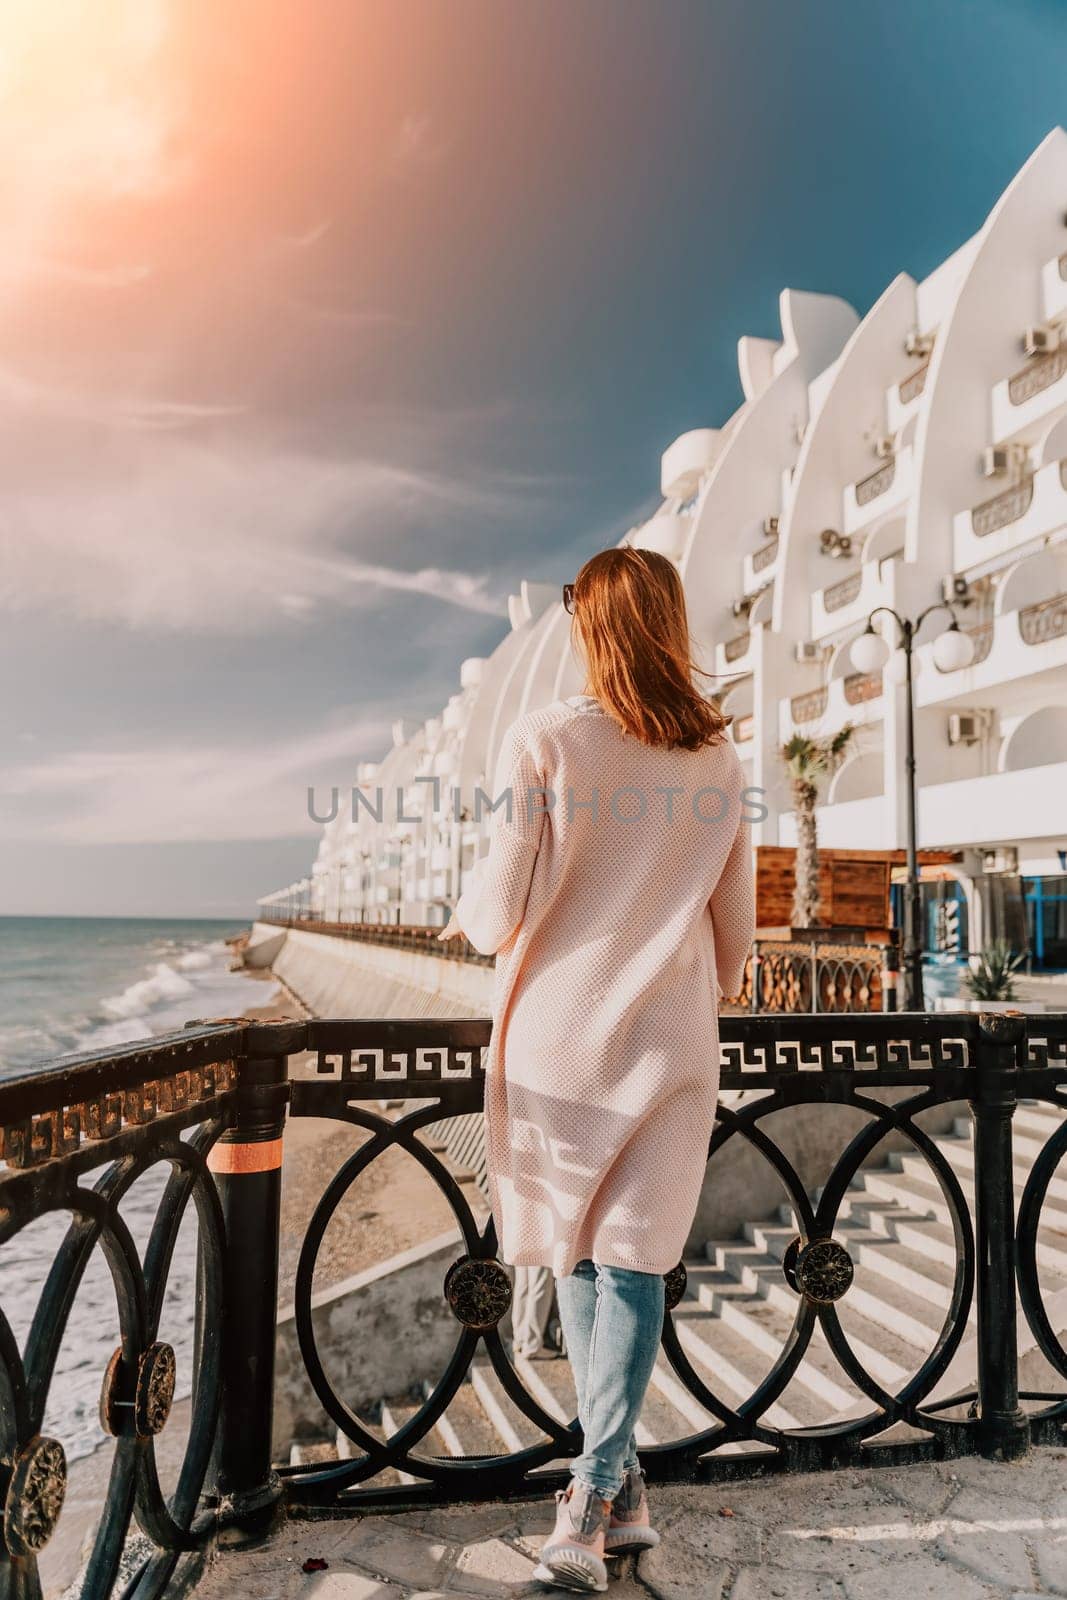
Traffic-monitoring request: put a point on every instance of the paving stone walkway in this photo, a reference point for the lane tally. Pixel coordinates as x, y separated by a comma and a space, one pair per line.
960, 1530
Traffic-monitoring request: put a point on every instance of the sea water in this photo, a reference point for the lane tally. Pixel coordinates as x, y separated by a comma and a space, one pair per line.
70, 984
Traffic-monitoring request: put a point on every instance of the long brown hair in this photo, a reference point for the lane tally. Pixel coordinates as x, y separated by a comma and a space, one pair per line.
634, 635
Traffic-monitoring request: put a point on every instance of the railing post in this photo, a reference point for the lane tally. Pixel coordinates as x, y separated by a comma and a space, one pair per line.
1003, 1430
247, 1167
890, 975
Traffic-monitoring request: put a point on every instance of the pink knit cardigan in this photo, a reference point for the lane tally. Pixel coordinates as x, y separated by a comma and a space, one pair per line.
618, 898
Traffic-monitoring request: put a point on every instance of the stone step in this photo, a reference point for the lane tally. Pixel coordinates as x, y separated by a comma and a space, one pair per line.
551, 1384
960, 1155
464, 1428
732, 1367
767, 1325
1028, 1138
1037, 1120
514, 1428
395, 1414
924, 1236
1054, 1214
879, 1299
921, 1195
887, 1357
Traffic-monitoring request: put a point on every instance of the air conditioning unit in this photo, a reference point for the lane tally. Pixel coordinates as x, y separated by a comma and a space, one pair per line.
965, 727
954, 589
996, 461
1005, 859
808, 652
885, 446
832, 543
1041, 340
919, 344
770, 527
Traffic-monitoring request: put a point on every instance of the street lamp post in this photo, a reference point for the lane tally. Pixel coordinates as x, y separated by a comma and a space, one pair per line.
953, 649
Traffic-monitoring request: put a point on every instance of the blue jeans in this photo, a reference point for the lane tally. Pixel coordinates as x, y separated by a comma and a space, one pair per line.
612, 1320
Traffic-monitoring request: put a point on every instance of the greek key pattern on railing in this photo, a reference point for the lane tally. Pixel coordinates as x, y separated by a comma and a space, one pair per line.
1047, 620
913, 385
1038, 375
869, 488
1003, 509
1063, 473
862, 686
744, 729
736, 647
765, 555
809, 707
842, 594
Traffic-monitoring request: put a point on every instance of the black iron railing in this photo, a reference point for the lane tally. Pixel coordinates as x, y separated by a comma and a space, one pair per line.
210, 1103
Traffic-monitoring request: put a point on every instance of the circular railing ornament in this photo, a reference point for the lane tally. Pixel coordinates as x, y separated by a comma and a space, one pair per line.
674, 1285
478, 1292
35, 1496
820, 1270
156, 1376
153, 1393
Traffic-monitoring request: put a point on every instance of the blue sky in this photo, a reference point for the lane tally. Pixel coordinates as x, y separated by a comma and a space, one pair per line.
325, 328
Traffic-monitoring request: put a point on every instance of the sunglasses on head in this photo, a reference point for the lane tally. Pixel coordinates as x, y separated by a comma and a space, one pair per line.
568, 599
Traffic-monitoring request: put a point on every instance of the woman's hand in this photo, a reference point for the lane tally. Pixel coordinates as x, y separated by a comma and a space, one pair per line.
452, 930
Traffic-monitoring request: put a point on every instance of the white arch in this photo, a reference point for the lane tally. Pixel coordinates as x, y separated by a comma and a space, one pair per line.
1036, 578
1037, 740
861, 777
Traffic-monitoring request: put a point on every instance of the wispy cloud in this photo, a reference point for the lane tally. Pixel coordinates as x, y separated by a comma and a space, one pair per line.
166, 792
164, 529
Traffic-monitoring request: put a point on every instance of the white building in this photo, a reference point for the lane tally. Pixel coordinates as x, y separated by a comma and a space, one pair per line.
885, 461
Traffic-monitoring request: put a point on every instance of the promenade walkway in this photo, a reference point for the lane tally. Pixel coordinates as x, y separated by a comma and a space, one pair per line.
960, 1530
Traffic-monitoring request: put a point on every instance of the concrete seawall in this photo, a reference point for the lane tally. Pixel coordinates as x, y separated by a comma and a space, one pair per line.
348, 978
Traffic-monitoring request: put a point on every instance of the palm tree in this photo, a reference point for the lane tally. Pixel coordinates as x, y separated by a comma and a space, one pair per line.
806, 761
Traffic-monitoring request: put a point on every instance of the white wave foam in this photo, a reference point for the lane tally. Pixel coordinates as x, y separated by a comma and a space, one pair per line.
195, 961
163, 985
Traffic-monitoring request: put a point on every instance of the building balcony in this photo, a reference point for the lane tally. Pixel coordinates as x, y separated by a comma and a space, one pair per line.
1029, 509
1016, 645
1000, 806
760, 565
849, 825
902, 399
1030, 395
857, 698
732, 655
744, 729
1054, 287
879, 492
849, 600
